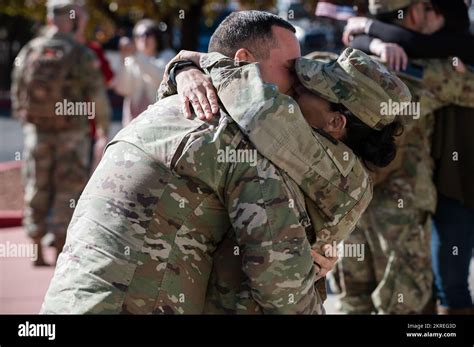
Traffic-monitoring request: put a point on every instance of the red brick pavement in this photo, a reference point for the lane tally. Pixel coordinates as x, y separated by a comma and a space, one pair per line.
22, 286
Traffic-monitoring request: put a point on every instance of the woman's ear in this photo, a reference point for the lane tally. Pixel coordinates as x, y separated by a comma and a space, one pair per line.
336, 125
243, 54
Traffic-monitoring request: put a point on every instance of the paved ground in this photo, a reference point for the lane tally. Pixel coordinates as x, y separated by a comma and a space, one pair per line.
22, 287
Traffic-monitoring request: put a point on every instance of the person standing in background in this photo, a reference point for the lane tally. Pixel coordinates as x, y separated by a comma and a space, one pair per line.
395, 277
143, 66
452, 149
56, 88
453, 231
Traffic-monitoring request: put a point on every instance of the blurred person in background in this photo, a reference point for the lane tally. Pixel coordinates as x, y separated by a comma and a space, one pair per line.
396, 275
53, 74
98, 138
453, 230
442, 36
143, 66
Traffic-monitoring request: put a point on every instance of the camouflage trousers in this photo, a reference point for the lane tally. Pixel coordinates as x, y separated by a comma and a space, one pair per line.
54, 173
394, 276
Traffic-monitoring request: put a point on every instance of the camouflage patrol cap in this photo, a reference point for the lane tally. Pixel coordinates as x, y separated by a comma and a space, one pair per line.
358, 82
386, 6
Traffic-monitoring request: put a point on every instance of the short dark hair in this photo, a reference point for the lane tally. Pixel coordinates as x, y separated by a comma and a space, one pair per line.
374, 147
247, 29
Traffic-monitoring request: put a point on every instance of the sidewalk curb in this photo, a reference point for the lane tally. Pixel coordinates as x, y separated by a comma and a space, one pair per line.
10, 165
10, 218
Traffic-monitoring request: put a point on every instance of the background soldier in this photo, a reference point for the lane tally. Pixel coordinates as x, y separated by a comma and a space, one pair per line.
395, 276
56, 87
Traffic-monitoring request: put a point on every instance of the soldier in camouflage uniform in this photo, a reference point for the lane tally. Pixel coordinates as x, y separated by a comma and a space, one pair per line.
52, 76
395, 275
160, 205
273, 121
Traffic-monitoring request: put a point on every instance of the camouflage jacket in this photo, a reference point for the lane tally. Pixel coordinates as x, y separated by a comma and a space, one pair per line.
335, 184
408, 181
165, 201
166, 193
83, 85
331, 180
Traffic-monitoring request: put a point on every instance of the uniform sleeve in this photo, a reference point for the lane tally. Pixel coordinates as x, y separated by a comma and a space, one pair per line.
167, 88
272, 121
448, 85
96, 91
106, 234
17, 82
276, 127
275, 251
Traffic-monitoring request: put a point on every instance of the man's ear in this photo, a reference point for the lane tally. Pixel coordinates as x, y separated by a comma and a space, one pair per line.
336, 124
243, 54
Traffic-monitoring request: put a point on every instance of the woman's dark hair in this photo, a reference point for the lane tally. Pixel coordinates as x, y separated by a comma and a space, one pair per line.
376, 147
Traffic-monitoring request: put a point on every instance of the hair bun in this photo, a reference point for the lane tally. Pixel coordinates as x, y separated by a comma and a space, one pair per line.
380, 148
